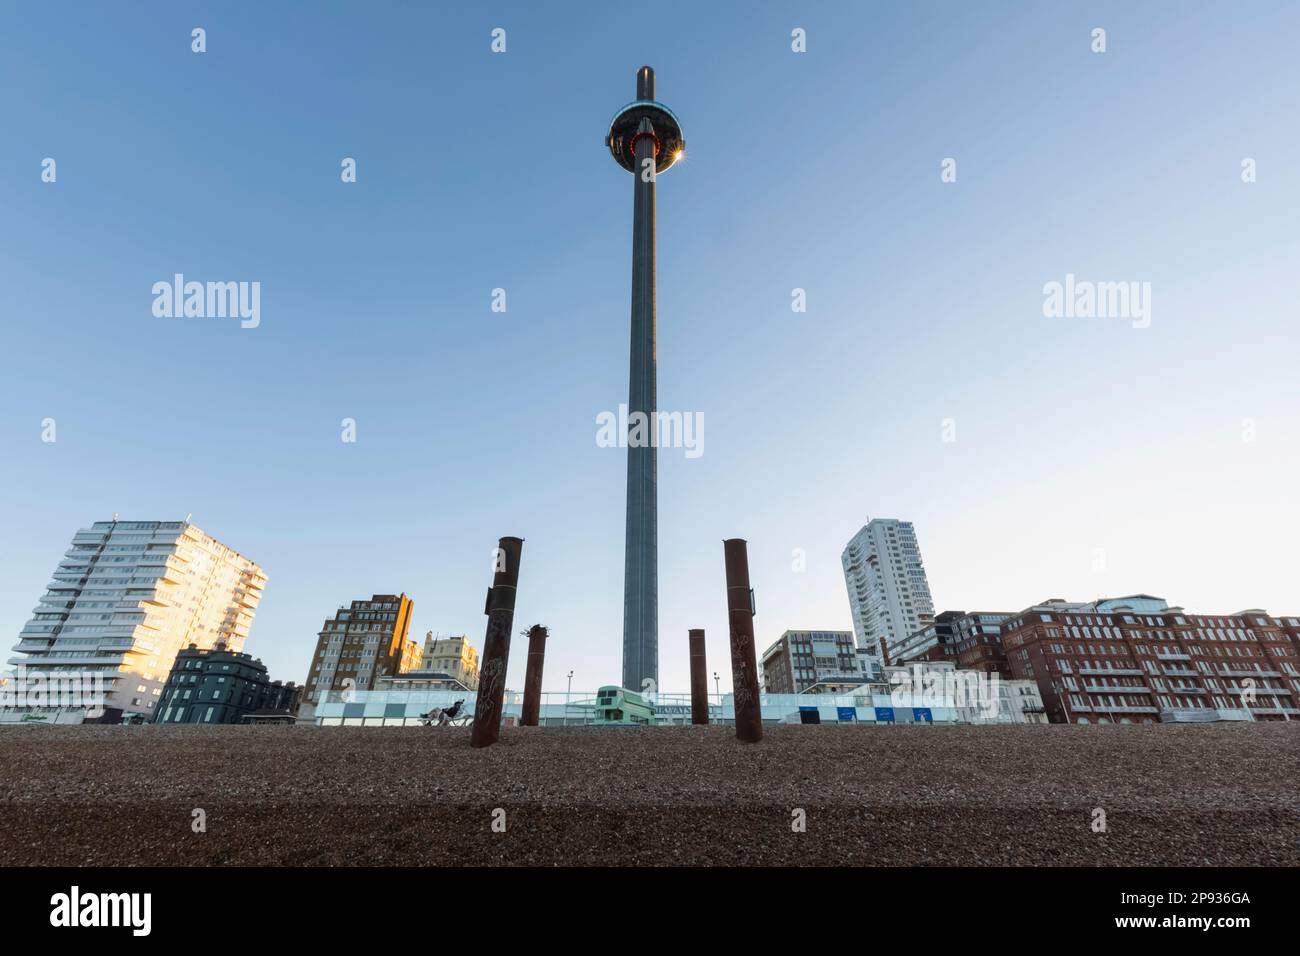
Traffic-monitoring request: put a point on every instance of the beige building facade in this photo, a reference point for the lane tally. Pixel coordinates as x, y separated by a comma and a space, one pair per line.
453, 656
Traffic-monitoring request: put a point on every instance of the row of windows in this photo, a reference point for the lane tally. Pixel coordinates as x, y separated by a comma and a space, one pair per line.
1218, 623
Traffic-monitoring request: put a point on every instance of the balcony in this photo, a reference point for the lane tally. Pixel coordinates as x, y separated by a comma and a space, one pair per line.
1115, 689
1110, 671
1256, 691
118, 646
1124, 710
1233, 713
30, 645
113, 660
1174, 656
1191, 715
1242, 675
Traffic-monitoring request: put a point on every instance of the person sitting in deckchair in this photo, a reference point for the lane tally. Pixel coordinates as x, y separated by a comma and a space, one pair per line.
442, 715
451, 713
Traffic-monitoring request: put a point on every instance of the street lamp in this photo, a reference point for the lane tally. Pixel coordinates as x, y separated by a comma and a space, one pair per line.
567, 690
716, 685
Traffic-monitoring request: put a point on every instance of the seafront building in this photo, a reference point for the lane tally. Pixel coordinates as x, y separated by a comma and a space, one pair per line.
977, 642
1137, 660
421, 680
124, 600
889, 595
221, 686
933, 642
970, 639
362, 643
454, 656
800, 660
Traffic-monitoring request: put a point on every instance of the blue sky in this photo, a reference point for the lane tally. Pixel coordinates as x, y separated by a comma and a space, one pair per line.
1077, 439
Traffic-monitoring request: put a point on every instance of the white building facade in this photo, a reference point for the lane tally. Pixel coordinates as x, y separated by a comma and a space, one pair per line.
127, 596
888, 591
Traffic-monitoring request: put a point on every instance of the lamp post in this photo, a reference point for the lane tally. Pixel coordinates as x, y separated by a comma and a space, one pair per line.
567, 691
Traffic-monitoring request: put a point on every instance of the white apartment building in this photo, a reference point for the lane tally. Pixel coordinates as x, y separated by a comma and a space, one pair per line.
888, 591
127, 596
453, 656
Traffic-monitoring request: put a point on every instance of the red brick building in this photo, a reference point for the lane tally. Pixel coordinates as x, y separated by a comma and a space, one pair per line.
977, 643
1135, 659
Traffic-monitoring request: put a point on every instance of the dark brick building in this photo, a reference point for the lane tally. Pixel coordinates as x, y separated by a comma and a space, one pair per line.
969, 639
220, 686
977, 642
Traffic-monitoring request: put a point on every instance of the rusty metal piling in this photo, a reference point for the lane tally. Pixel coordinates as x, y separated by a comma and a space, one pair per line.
500, 611
699, 678
533, 675
744, 664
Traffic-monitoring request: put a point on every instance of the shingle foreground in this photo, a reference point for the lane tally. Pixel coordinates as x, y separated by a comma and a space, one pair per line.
1172, 795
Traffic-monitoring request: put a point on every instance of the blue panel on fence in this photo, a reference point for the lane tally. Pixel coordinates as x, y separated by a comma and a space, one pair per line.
847, 713
885, 713
922, 714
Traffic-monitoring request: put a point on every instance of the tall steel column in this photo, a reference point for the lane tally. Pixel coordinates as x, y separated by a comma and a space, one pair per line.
646, 139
